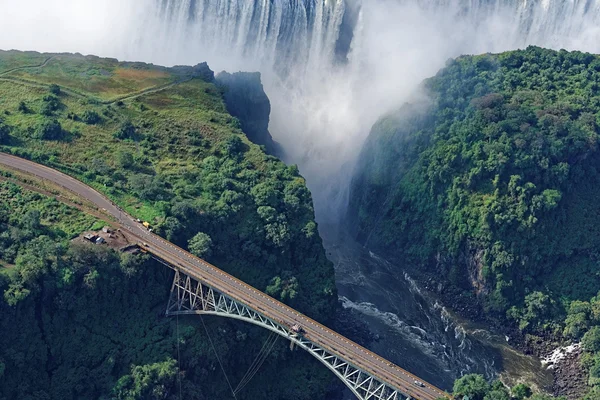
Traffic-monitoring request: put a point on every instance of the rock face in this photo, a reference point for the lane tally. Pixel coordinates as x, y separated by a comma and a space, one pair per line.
246, 100
569, 377
201, 71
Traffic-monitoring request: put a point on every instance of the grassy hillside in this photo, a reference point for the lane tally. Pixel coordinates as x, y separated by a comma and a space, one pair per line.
492, 184
160, 143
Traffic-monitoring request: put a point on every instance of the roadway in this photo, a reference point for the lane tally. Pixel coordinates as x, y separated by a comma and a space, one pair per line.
333, 342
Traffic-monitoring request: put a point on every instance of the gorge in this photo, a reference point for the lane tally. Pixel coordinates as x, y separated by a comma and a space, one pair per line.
330, 69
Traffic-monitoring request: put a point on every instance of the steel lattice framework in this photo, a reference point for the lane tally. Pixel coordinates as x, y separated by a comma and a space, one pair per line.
190, 296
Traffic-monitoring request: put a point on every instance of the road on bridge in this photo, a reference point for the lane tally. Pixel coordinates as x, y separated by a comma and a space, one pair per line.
330, 340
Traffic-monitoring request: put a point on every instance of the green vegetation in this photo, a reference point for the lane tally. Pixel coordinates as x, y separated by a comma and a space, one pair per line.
83, 321
493, 185
475, 387
180, 162
160, 143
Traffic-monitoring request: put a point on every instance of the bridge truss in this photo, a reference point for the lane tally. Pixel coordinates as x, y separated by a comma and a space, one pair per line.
191, 296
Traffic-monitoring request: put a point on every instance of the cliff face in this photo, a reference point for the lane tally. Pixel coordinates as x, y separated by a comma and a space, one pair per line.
501, 164
492, 188
246, 100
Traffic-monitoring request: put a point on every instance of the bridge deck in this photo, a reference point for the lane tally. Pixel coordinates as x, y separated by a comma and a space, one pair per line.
328, 339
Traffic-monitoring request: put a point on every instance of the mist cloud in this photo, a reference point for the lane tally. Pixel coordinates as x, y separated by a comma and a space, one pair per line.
322, 110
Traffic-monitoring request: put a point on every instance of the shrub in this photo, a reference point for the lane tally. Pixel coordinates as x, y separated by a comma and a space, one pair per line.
91, 117
126, 131
55, 89
49, 130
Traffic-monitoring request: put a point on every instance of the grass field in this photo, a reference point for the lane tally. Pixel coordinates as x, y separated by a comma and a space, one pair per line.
179, 119
62, 220
10, 60
103, 78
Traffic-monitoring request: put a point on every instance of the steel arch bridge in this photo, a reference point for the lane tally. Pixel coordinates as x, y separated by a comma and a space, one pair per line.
191, 296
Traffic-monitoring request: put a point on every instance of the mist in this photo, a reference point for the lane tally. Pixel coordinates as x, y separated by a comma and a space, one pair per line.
324, 100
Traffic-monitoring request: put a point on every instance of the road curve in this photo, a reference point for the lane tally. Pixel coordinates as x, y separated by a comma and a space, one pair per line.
330, 340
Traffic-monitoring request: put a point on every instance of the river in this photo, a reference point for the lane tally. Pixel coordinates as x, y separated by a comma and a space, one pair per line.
414, 330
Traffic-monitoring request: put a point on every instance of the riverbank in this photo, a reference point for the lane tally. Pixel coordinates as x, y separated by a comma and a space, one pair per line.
424, 326
411, 329
556, 357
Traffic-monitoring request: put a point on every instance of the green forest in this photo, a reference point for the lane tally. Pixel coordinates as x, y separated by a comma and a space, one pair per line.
489, 178
81, 321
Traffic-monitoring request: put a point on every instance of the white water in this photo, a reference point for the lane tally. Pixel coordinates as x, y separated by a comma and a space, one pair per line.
322, 108
412, 330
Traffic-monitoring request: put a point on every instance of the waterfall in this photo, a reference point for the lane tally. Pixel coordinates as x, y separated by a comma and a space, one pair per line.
330, 67
278, 35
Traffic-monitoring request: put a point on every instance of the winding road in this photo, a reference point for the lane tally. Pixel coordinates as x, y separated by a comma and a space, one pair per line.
328, 339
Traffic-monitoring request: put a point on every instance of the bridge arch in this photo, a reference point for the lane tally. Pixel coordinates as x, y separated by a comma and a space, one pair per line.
190, 296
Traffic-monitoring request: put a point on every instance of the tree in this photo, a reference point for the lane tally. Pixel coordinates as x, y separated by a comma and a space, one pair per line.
49, 130
130, 264
99, 166
15, 293
541, 396
149, 187
472, 385
577, 321
234, 146
172, 227
538, 307
22, 108
91, 117
521, 391
594, 377
593, 394
266, 194
50, 104
31, 220
497, 394
285, 289
4, 132
152, 382
200, 245
124, 159
126, 131
591, 339
55, 89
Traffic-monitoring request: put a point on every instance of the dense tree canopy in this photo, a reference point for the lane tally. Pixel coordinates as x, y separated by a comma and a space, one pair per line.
492, 182
83, 321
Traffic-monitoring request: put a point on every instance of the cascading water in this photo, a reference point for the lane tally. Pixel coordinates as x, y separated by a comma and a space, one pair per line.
330, 68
